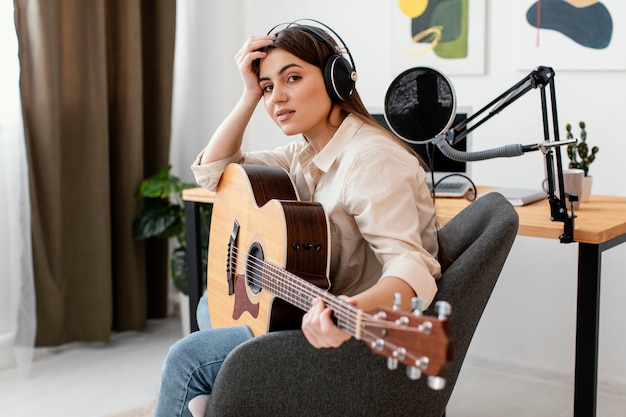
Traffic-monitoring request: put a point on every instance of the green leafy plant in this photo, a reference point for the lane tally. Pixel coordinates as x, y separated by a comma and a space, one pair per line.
580, 150
163, 217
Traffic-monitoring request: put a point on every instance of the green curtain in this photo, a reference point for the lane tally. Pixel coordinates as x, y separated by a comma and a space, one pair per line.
96, 86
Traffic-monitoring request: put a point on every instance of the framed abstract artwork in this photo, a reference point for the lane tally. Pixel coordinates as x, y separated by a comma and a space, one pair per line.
445, 34
570, 34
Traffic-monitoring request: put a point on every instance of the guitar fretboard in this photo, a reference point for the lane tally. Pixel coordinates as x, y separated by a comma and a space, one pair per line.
301, 293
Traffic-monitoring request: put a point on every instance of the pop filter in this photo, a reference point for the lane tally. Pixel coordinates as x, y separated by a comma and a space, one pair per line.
420, 104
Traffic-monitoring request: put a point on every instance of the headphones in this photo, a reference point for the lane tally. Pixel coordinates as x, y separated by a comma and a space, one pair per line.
339, 73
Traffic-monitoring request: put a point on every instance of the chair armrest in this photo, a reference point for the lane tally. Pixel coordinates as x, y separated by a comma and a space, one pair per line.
347, 381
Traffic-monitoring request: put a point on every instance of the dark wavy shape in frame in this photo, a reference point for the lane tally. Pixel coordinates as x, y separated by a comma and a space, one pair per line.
590, 26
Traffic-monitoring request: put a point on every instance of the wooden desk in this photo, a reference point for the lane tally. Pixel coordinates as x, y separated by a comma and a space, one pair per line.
599, 220
600, 225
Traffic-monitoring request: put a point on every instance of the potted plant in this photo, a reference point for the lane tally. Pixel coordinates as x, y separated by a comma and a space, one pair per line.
162, 217
581, 157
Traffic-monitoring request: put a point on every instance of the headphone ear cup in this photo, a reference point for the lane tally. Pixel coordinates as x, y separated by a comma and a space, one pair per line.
339, 78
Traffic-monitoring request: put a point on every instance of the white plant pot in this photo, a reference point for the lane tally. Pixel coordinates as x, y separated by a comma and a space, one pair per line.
587, 182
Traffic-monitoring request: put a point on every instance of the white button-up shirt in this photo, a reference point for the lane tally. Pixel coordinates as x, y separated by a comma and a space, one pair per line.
381, 214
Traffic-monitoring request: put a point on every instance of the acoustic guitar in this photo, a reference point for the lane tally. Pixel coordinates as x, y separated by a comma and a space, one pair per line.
269, 258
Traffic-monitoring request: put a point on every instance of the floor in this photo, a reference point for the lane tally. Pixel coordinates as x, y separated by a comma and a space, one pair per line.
94, 379
98, 380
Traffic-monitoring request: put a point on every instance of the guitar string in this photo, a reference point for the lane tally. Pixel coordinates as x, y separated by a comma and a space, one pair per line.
306, 289
340, 307
296, 290
307, 292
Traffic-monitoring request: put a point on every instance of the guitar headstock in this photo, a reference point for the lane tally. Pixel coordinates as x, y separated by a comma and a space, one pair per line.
422, 343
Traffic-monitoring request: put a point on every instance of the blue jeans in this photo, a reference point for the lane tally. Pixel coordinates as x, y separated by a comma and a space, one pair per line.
202, 313
193, 362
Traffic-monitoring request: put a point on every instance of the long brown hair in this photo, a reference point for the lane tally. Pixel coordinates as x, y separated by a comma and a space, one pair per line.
309, 48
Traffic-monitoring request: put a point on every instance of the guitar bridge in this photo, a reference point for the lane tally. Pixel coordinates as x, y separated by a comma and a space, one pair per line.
231, 258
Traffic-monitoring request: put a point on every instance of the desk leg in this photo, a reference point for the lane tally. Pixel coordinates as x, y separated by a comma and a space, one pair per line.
587, 326
193, 237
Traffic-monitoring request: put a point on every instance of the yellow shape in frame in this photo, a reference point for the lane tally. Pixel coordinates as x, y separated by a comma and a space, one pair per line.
413, 8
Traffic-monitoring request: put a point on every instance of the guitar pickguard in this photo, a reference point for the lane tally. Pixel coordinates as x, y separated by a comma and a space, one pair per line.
242, 302
251, 280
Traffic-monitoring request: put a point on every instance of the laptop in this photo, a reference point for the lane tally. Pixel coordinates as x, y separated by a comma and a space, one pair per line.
446, 173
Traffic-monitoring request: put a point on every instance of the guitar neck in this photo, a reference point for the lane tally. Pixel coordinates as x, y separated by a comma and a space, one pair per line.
301, 293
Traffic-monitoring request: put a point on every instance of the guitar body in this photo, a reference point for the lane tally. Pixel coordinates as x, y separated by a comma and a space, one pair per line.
257, 218
269, 259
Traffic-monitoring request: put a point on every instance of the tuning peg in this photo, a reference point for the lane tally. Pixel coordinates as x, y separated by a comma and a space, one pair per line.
426, 327
436, 383
378, 344
397, 301
413, 373
381, 315
443, 309
422, 362
398, 355
418, 305
403, 321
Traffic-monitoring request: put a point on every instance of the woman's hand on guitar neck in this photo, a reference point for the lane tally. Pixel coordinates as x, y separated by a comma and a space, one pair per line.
319, 328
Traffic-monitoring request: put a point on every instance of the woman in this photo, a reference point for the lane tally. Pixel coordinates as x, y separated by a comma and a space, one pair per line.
372, 187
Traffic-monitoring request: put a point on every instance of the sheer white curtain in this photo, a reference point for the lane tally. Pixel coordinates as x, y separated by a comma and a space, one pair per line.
17, 298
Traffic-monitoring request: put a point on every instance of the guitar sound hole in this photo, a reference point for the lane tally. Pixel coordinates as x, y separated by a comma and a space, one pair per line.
254, 268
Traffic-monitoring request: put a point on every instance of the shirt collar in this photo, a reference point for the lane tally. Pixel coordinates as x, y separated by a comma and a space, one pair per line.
338, 143
314, 165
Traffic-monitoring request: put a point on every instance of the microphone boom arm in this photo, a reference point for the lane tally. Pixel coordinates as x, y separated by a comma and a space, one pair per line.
538, 78
541, 77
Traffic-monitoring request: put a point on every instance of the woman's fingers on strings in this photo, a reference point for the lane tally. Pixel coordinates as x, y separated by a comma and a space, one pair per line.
310, 323
319, 328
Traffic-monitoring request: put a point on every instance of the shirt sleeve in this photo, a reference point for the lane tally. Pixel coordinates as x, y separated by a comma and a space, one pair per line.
385, 191
208, 175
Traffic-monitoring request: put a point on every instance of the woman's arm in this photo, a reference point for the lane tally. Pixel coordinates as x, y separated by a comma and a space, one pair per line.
228, 137
392, 212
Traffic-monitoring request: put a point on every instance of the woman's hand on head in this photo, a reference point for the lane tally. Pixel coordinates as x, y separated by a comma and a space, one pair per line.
320, 330
248, 53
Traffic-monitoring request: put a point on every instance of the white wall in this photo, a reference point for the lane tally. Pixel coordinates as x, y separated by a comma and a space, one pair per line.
531, 316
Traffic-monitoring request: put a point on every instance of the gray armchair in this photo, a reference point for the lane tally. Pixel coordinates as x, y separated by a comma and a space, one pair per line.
280, 374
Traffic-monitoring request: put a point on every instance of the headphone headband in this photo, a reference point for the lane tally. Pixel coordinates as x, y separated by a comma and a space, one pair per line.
340, 48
